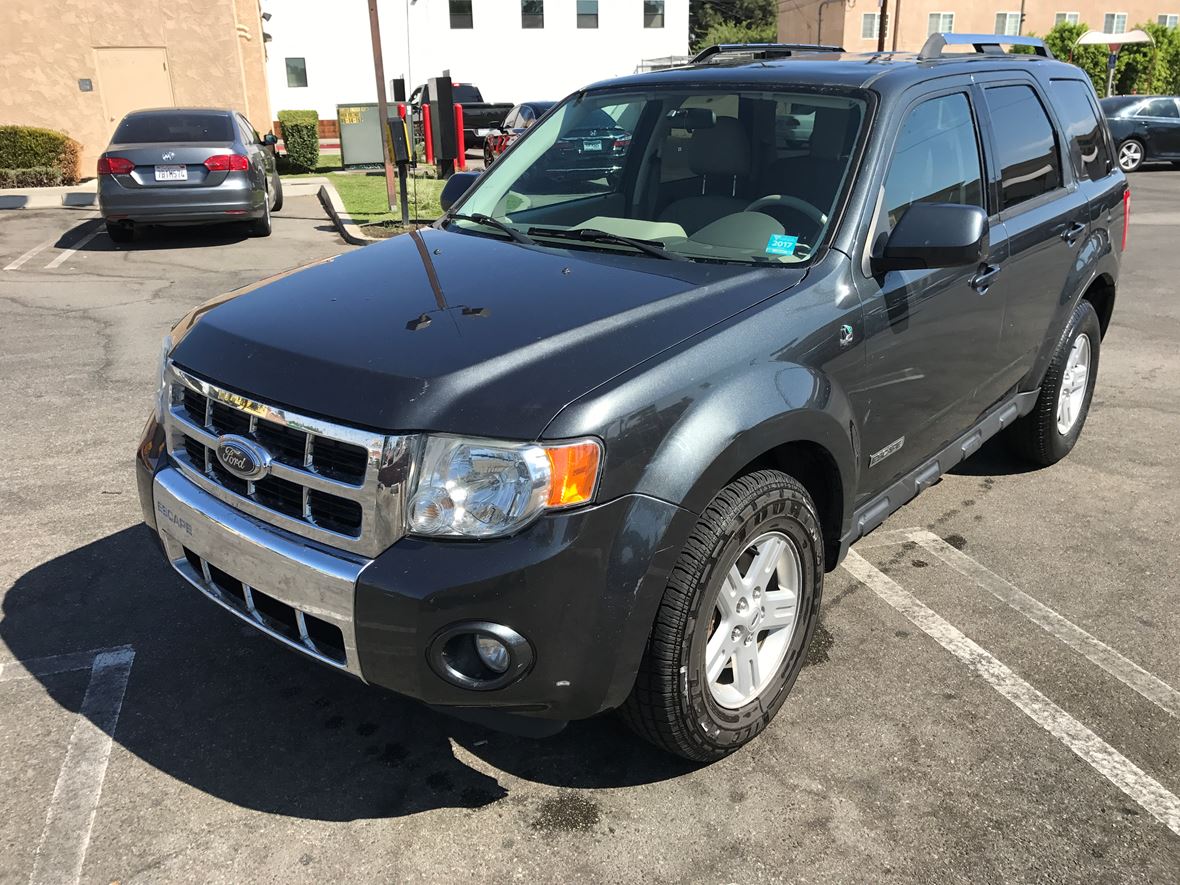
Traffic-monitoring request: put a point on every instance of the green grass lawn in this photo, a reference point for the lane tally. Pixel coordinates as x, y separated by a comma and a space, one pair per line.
363, 192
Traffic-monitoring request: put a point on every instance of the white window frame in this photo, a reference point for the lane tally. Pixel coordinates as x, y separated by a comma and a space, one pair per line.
1115, 16
1011, 20
939, 28
870, 22
1069, 18
1168, 19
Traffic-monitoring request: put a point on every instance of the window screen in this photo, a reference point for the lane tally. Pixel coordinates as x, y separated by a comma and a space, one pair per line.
461, 18
1114, 23
1027, 145
868, 26
1087, 144
1008, 23
936, 158
1065, 18
940, 23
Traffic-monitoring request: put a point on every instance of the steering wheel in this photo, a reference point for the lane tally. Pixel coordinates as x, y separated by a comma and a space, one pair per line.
791, 203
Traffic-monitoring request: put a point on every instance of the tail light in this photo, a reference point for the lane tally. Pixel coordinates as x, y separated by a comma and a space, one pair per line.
227, 163
1126, 216
621, 144
114, 166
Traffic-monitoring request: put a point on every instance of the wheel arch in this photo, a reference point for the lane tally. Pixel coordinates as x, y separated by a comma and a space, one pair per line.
1100, 293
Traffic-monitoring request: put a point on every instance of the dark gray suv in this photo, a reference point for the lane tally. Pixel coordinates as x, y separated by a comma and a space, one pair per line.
592, 441
187, 166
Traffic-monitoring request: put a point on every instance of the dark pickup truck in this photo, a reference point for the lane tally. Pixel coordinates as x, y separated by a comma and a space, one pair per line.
593, 442
479, 117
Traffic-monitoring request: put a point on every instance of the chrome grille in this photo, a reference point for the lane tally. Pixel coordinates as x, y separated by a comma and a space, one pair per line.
327, 482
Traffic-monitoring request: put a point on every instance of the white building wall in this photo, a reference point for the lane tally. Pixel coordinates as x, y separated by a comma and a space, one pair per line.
507, 62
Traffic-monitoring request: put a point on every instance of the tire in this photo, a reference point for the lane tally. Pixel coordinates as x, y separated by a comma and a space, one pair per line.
1046, 435
261, 227
278, 193
674, 704
1130, 155
120, 233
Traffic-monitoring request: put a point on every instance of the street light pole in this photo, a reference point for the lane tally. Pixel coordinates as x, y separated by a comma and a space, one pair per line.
382, 104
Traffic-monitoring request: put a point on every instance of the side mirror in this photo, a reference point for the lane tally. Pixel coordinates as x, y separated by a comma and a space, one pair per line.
933, 235
456, 186
270, 138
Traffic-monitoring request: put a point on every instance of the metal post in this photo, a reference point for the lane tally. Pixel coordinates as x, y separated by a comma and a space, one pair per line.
382, 104
882, 19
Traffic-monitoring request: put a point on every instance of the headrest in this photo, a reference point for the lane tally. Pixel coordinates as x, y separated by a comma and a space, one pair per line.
721, 149
829, 132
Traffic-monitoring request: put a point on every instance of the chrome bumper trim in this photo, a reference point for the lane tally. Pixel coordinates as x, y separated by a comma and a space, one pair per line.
309, 580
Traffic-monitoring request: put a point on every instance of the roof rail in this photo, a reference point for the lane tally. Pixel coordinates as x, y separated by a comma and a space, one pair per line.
986, 44
761, 50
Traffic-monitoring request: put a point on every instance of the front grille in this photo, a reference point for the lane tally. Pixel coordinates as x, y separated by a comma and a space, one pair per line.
323, 639
331, 483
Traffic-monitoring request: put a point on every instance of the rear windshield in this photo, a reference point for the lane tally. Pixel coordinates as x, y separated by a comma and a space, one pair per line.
466, 94
182, 126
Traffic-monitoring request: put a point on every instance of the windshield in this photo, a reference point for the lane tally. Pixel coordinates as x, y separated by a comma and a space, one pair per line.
728, 175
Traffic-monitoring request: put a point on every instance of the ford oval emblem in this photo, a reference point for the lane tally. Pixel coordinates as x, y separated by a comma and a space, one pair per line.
242, 457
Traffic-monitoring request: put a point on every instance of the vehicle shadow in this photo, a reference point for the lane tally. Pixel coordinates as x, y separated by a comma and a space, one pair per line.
225, 710
994, 458
151, 238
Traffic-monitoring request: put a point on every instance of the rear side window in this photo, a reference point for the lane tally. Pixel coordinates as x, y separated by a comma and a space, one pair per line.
1159, 107
1087, 144
1030, 164
182, 126
465, 94
936, 159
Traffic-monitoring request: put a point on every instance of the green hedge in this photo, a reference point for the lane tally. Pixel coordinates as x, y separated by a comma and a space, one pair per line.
27, 147
301, 138
33, 176
1142, 69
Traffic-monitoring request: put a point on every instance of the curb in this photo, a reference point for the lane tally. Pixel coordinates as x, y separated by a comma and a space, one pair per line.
334, 206
55, 200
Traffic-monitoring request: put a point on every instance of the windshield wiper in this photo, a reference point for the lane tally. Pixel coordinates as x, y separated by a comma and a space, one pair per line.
480, 218
594, 235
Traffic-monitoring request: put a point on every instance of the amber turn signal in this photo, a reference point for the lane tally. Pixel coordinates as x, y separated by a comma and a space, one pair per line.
573, 472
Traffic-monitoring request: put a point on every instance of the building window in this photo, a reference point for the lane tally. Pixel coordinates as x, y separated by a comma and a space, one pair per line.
1169, 21
1008, 23
1066, 18
653, 13
461, 19
532, 13
587, 13
1114, 23
296, 72
869, 22
940, 23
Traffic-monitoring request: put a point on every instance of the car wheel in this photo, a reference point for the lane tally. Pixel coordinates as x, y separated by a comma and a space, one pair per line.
1048, 433
277, 188
120, 233
731, 632
1130, 155
261, 227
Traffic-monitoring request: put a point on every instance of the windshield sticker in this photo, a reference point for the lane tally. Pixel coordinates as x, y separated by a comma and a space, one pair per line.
781, 244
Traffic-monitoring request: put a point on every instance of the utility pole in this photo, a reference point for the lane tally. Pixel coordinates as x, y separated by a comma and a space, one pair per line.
882, 23
382, 104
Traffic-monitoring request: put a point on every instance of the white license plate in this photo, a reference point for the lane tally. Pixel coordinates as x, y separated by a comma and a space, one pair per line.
591, 145
171, 173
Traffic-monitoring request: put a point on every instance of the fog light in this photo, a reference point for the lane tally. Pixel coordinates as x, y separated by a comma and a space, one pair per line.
492, 652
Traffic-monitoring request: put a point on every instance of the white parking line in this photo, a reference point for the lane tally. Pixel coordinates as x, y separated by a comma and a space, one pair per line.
67, 253
13, 265
1090, 647
1101, 756
70, 819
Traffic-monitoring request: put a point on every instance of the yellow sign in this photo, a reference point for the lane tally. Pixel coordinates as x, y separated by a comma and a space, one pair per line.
348, 116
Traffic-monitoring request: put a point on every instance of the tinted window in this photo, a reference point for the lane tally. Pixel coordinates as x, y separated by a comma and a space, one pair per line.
1158, 107
936, 158
1087, 144
653, 13
465, 93
1027, 145
181, 126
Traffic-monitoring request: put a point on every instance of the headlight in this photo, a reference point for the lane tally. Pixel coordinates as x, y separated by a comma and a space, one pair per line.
481, 488
161, 386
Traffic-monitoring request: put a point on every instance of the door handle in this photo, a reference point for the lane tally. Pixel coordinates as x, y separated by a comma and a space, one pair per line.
1071, 233
983, 280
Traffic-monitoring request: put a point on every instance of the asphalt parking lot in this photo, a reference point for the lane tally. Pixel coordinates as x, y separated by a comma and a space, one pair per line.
992, 695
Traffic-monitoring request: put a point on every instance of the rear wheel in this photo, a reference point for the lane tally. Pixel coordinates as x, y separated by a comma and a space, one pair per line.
261, 227
1048, 433
277, 190
1130, 155
120, 233
732, 629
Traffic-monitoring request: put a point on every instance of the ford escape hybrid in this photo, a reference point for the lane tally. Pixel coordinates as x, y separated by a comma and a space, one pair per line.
615, 476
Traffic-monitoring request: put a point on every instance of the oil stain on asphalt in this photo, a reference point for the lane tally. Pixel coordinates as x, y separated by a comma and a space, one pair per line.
567, 813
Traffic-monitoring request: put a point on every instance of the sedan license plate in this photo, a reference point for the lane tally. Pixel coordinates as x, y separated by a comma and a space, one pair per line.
591, 145
171, 173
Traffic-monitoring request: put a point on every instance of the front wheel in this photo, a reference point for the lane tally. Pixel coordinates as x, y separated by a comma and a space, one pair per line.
1130, 155
731, 632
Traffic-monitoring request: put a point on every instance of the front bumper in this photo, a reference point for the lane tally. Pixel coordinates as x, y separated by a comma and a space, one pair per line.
581, 587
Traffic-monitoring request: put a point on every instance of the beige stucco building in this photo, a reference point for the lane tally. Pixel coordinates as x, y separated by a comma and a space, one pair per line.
853, 23
78, 65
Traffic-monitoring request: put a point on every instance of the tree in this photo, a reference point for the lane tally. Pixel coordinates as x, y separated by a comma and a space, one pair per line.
755, 20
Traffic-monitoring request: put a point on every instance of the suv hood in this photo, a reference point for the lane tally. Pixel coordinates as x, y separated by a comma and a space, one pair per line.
457, 333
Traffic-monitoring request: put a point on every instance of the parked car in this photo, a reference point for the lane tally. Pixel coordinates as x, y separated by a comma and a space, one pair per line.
1144, 127
178, 166
518, 121
619, 480
479, 117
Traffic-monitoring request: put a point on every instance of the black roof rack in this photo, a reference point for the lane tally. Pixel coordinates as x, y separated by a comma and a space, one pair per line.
985, 44
761, 50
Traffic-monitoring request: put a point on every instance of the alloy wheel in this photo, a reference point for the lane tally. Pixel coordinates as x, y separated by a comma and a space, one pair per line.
1074, 381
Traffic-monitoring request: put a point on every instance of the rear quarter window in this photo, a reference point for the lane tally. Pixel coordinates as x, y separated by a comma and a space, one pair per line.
174, 128
1026, 144
1087, 142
